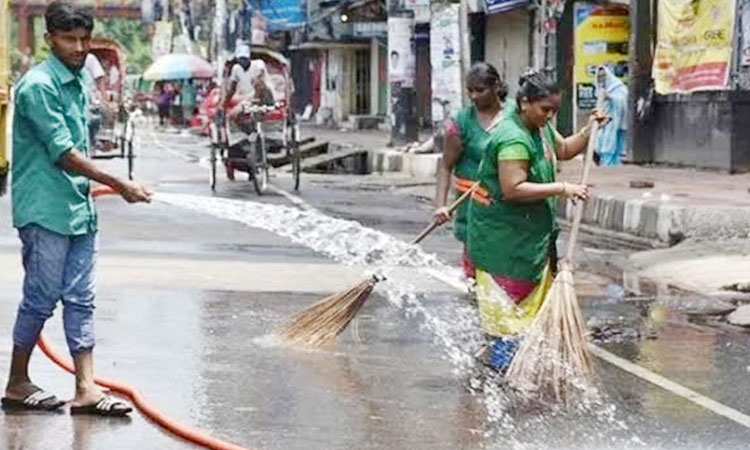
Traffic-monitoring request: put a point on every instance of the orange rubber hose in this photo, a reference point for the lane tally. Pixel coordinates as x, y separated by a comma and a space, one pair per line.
144, 406
102, 189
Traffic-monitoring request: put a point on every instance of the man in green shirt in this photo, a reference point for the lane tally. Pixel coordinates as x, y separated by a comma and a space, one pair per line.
55, 213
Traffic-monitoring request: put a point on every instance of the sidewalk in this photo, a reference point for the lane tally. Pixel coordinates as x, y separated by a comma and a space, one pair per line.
677, 204
681, 204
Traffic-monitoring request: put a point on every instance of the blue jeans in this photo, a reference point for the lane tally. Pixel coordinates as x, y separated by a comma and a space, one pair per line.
57, 267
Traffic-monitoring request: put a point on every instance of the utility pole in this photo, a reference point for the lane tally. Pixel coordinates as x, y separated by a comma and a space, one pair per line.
218, 38
639, 88
465, 36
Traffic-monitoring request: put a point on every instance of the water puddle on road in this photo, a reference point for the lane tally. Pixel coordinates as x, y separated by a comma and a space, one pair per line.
592, 422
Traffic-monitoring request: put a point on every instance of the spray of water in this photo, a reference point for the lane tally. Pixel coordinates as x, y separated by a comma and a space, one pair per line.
513, 420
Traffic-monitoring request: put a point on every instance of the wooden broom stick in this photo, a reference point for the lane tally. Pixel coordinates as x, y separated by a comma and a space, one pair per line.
578, 216
451, 209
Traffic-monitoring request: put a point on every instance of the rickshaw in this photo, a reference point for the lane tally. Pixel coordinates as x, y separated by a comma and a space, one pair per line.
115, 137
273, 127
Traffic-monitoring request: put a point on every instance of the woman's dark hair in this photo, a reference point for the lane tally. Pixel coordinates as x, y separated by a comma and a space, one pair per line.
536, 85
486, 74
65, 16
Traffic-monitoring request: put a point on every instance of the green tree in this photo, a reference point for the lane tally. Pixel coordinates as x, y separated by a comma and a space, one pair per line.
131, 34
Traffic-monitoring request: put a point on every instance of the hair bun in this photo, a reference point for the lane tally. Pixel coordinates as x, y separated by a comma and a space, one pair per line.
527, 75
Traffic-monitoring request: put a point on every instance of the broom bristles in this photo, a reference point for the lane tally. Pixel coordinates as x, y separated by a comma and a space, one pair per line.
319, 324
553, 357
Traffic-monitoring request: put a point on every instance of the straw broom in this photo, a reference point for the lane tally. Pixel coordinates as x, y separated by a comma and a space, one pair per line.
320, 324
553, 357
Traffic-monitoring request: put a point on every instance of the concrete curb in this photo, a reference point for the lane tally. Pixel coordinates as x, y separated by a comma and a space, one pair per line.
664, 222
417, 165
649, 219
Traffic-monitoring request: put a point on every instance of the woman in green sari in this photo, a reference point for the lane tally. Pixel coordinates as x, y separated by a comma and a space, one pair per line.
467, 134
512, 227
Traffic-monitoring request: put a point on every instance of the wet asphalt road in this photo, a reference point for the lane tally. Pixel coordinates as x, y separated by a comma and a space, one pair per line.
186, 303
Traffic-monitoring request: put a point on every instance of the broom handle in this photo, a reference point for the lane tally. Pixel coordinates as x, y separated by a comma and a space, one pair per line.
584, 180
451, 209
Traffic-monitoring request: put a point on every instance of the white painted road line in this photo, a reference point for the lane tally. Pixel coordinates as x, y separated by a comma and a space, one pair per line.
296, 201
671, 386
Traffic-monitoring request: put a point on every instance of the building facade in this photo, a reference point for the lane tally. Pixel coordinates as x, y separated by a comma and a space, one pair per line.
339, 62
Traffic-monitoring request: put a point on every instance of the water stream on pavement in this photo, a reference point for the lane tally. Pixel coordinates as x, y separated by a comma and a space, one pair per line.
455, 329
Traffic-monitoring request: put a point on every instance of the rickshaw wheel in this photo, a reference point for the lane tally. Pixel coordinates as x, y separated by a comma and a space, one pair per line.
122, 146
212, 169
296, 168
259, 169
263, 179
131, 158
252, 175
296, 163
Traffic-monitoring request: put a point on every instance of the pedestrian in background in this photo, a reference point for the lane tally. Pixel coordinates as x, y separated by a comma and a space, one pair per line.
163, 98
613, 135
187, 100
55, 214
467, 134
512, 229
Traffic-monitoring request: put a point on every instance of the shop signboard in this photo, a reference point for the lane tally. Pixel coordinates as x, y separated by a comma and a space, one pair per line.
370, 29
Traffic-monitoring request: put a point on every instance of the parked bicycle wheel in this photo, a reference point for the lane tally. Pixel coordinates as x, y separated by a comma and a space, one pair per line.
212, 168
131, 158
262, 165
213, 159
296, 162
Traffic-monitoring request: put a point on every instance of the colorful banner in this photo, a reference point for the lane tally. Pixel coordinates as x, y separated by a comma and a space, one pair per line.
445, 57
4, 52
284, 14
601, 39
500, 6
694, 45
745, 33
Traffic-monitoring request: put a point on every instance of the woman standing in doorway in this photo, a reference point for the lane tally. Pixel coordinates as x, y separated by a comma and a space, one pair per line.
466, 136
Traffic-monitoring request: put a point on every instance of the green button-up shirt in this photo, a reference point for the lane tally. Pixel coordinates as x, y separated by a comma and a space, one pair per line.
50, 120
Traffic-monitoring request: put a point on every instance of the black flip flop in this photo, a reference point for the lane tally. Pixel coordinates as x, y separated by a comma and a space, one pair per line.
106, 407
36, 401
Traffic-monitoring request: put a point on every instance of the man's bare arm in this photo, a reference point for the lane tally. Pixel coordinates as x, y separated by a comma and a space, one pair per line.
132, 192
